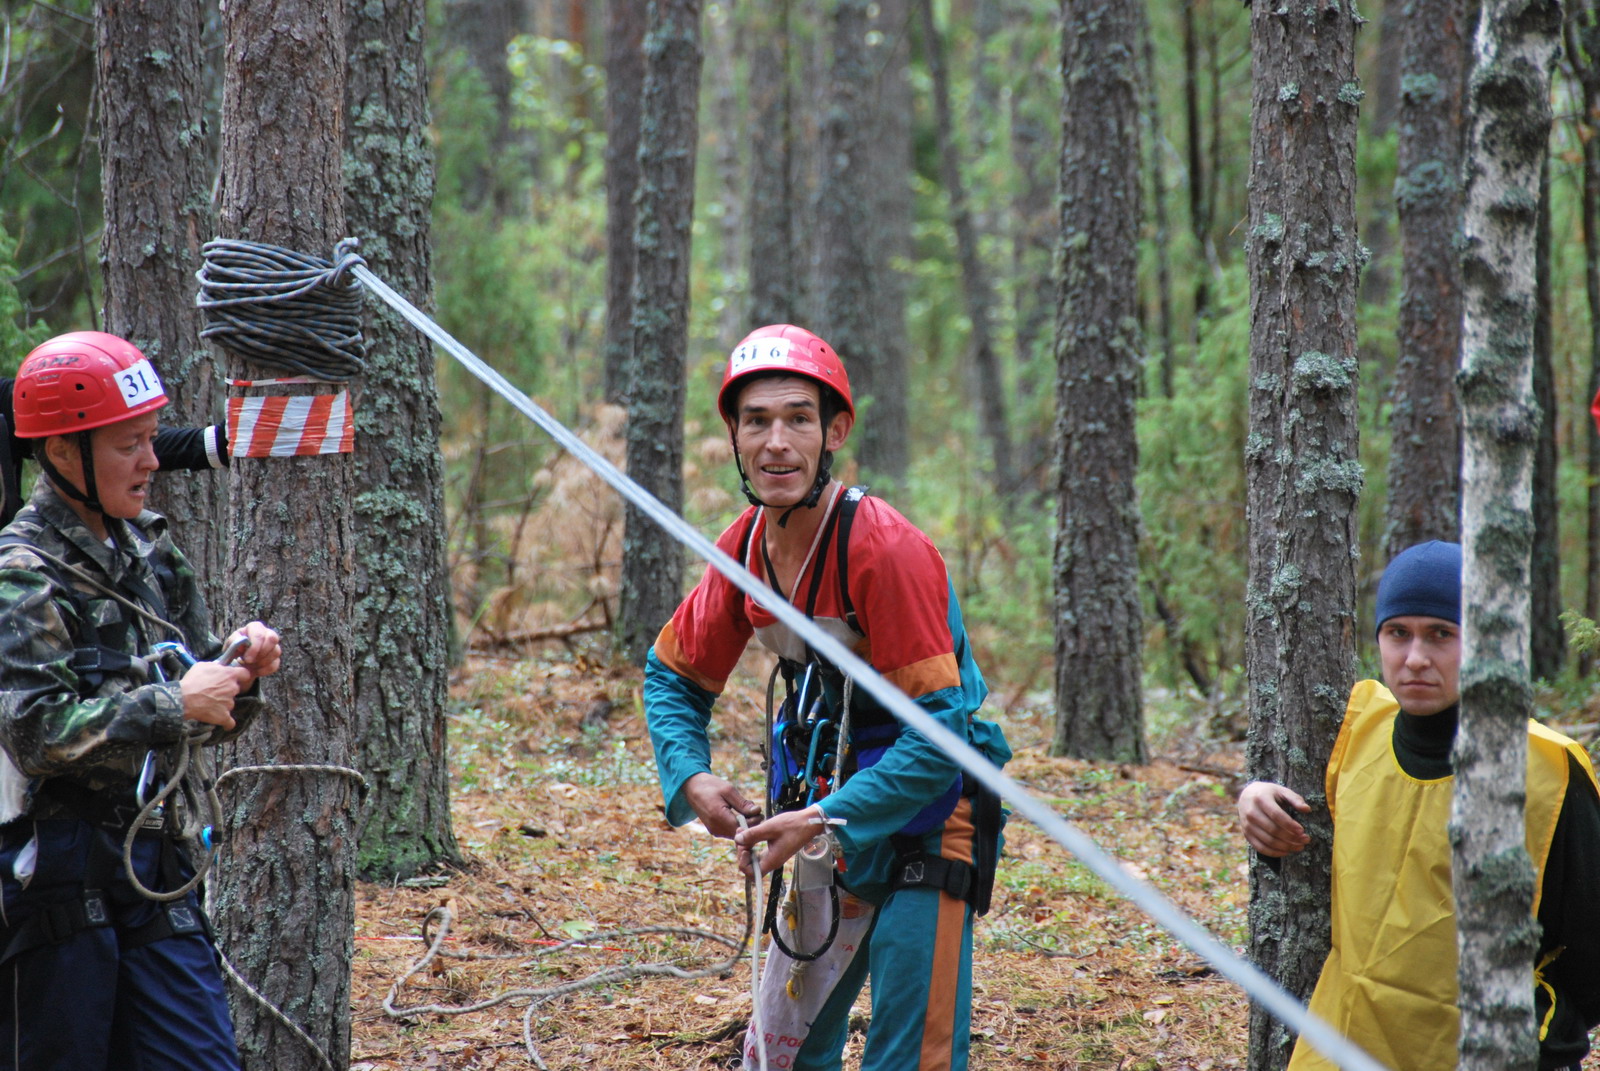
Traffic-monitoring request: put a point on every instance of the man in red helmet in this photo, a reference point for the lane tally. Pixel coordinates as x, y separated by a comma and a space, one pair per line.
918, 842
95, 972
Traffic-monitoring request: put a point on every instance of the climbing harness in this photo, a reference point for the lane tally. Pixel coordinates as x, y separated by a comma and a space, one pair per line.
1272, 997
145, 813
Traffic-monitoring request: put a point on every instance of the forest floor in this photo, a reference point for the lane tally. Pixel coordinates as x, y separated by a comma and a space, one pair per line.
561, 828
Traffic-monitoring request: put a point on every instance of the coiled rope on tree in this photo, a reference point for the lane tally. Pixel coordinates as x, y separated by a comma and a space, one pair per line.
285, 310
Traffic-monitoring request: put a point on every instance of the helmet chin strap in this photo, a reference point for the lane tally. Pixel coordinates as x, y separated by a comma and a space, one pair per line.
90, 496
824, 474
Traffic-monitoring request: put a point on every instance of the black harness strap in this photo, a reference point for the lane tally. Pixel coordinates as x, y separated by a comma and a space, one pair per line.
108, 654
916, 868
10, 489
57, 923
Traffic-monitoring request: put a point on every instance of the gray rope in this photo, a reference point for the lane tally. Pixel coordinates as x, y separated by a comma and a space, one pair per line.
272, 1010
539, 996
285, 310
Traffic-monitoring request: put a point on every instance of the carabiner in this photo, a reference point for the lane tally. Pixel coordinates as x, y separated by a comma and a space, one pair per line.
147, 776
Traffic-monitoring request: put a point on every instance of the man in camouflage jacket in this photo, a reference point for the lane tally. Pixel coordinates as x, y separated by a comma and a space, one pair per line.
97, 971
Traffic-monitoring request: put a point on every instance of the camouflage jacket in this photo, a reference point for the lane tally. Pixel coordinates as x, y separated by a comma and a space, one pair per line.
54, 722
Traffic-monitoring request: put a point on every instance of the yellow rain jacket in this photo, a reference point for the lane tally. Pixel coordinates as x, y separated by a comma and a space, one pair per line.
1389, 983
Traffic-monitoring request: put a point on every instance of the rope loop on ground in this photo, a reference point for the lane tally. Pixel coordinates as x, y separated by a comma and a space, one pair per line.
286, 310
444, 916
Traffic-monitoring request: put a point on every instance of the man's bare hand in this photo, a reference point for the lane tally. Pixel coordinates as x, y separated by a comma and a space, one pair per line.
784, 834
263, 656
1265, 822
208, 691
718, 804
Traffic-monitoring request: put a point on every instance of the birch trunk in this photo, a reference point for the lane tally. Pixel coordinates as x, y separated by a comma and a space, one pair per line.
1493, 877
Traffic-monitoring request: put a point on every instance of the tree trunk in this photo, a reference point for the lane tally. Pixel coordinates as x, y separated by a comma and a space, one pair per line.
1158, 202
652, 566
1548, 646
1301, 460
624, 85
1425, 448
847, 297
1036, 223
401, 577
1493, 878
286, 895
156, 177
1199, 212
1383, 107
885, 438
483, 29
986, 378
725, 39
775, 262
1583, 53
1098, 633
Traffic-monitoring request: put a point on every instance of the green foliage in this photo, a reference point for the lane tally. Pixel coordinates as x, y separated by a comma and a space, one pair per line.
1192, 494
1582, 633
16, 337
521, 282
49, 158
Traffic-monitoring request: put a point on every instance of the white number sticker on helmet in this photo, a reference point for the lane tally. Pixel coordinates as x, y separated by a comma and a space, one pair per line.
760, 351
139, 384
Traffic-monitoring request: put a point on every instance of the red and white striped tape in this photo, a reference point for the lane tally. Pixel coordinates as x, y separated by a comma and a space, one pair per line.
278, 426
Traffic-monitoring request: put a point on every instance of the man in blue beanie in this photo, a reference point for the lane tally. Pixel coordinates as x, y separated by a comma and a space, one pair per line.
1389, 983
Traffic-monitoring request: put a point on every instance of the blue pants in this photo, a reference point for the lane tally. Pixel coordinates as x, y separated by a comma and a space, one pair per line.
88, 1003
918, 956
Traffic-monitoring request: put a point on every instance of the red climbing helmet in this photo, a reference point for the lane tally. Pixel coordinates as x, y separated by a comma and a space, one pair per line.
783, 348
83, 380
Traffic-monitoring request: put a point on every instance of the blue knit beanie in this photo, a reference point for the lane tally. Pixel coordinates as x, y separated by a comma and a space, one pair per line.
1422, 581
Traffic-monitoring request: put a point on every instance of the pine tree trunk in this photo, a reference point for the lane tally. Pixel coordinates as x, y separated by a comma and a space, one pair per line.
1493, 879
652, 566
1301, 459
156, 183
1425, 449
886, 436
1383, 104
986, 378
483, 29
775, 262
1098, 633
725, 41
1583, 54
1158, 204
1199, 211
401, 578
1547, 640
624, 84
285, 894
848, 281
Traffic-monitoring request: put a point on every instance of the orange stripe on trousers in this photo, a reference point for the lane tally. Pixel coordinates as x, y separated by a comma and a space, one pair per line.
938, 1027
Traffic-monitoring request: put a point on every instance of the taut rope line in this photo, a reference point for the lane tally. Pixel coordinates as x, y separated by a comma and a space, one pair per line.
1246, 975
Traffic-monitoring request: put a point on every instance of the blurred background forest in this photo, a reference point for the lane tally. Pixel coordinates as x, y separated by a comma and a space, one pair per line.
519, 116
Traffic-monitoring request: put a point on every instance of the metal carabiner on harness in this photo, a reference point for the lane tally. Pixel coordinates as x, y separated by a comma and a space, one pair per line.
160, 654
182, 660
